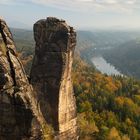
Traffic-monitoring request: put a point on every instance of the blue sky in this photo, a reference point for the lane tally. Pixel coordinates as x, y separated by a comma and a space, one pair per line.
85, 14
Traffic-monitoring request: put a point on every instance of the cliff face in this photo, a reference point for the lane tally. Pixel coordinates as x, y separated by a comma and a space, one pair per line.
51, 75
23, 111
17, 120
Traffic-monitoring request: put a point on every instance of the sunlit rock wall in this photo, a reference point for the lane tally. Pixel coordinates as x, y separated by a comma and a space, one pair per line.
51, 75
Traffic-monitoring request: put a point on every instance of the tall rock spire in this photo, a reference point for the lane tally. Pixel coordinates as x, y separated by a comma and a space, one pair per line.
17, 112
51, 75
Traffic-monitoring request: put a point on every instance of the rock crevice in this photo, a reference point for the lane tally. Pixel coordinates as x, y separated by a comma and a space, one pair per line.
16, 114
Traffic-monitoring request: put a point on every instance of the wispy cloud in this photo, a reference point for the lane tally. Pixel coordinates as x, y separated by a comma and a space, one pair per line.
126, 6
117, 6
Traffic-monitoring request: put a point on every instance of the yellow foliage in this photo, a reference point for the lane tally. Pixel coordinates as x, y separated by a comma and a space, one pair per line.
129, 102
86, 127
113, 134
119, 101
118, 84
129, 122
87, 84
125, 137
110, 84
98, 77
124, 101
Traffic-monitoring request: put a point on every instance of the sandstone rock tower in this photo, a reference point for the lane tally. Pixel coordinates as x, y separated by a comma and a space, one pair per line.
17, 120
51, 75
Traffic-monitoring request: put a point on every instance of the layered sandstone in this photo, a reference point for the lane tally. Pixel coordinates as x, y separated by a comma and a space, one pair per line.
17, 105
51, 75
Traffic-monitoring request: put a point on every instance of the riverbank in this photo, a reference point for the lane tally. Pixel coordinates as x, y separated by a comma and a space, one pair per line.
104, 67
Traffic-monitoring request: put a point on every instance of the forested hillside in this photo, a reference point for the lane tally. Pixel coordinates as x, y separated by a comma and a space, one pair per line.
108, 106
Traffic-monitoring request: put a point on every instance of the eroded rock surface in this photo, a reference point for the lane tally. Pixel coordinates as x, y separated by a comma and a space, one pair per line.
51, 75
17, 115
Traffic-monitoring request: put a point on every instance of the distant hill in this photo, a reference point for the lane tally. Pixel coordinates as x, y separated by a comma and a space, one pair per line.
19, 25
25, 45
126, 58
24, 39
90, 43
102, 39
120, 48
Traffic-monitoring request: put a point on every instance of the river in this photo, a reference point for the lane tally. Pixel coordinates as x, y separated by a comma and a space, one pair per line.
103, 66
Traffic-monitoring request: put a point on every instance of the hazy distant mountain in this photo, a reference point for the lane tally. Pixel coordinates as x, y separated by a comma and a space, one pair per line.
126, 57
121, 48
88, 42
20, 25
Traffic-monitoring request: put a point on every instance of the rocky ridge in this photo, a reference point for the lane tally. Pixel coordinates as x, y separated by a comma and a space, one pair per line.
25, 109
17, 105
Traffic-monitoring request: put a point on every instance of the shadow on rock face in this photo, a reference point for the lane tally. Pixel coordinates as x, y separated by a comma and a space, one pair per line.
16, 115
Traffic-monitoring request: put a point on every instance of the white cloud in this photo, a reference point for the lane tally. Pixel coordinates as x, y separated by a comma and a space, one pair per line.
84, 5
117, 6
111, 1
7, 2
84, 0
131, 1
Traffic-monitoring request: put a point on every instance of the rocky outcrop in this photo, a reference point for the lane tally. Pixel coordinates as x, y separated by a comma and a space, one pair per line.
23, 111
51, 75
18, 108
